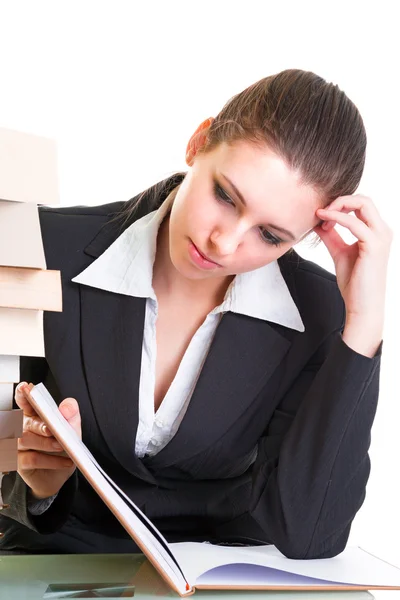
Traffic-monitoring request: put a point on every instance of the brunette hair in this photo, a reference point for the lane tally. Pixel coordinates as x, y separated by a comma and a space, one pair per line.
310, 123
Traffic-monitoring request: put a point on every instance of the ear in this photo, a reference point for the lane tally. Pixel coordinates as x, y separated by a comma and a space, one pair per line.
197, 140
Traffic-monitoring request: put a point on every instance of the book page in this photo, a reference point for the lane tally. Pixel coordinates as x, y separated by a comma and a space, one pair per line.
151, 545
353, 566
243, 575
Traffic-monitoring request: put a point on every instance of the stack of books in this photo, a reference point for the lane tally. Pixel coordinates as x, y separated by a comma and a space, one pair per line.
28, 177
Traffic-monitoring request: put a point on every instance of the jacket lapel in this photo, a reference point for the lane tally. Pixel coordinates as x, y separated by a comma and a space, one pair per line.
112, 332
243, 355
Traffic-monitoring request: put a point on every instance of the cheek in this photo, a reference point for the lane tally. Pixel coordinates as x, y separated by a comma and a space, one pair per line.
258, 254
199, 213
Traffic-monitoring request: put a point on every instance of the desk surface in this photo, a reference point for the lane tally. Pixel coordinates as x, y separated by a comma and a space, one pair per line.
52, 577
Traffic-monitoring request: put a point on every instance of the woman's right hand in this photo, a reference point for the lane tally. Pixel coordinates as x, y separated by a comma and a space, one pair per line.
44, 473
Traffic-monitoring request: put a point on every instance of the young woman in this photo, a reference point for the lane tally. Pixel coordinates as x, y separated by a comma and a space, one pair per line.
226, 384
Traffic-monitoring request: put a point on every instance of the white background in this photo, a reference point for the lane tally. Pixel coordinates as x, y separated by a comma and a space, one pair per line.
122, 85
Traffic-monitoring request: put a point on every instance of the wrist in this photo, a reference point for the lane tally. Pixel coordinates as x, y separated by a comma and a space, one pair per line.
37, 496
363, 335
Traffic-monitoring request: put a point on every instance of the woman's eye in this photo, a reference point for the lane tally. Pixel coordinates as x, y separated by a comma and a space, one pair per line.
266, 236
221, 195
269, 238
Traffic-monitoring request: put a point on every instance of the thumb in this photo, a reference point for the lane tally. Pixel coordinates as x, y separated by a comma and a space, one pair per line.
69, 409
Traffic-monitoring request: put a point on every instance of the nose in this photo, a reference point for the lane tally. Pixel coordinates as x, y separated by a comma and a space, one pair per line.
225, 242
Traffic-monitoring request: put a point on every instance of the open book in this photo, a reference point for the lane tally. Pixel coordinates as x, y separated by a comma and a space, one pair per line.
190, 565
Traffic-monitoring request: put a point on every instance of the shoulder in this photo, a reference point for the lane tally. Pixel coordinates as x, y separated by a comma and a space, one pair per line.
315, 292
76, 216
77, 226
67, 231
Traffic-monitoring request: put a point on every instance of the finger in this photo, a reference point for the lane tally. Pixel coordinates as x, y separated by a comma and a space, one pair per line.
34, 424
327, 225
22, 399
69, 409
363, 207
332, 240
39, 460
357, 227
31, 441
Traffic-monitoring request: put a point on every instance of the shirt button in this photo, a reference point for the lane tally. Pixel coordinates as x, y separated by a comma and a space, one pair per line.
159, 423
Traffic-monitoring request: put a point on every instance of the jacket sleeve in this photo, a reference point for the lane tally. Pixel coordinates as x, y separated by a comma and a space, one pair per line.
14, 490
312, 467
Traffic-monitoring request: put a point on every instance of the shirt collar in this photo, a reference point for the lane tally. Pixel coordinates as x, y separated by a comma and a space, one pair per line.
126, 267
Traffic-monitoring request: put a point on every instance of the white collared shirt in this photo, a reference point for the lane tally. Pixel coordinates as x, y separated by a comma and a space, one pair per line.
126, 267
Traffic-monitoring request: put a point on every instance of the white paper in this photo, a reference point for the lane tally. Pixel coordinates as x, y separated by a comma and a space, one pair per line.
353, 566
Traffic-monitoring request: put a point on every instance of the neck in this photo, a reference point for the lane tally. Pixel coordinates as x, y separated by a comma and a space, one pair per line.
167, 280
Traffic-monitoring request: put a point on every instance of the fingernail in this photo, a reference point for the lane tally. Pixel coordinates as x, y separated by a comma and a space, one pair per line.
45, 429
20, 386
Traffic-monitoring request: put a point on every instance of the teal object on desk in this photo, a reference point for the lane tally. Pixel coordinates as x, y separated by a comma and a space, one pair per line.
112, 576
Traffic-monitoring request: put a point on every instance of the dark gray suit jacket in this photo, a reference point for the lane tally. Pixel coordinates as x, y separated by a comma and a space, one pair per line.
273, 447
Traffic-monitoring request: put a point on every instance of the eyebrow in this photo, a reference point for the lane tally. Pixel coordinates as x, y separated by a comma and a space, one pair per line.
243, 201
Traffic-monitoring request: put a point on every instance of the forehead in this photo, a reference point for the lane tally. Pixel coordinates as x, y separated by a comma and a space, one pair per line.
264, 179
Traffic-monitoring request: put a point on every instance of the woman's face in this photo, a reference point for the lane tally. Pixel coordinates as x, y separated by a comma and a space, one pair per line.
238, 230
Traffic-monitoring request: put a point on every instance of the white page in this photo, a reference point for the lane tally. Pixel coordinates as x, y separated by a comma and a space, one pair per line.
20, 236
9, 369
244, 574
21, 332
78, 451
353, 566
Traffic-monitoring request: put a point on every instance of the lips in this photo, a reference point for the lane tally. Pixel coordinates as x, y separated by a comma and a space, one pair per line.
205, 256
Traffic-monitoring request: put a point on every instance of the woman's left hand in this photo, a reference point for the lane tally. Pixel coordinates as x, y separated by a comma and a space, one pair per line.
361, 267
